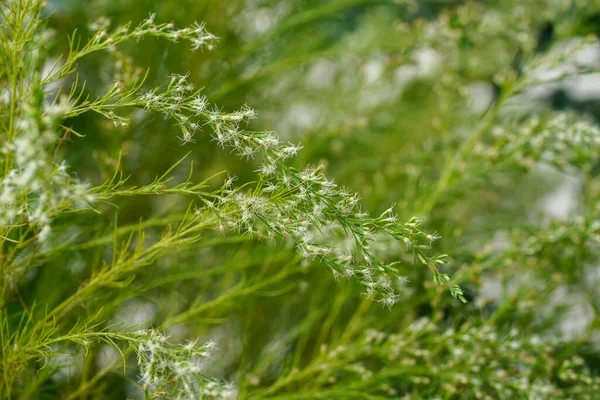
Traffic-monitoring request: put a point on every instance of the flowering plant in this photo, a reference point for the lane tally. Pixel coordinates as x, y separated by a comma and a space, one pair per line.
111, 280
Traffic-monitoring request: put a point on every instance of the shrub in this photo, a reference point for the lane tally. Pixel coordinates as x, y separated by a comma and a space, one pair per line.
112, 280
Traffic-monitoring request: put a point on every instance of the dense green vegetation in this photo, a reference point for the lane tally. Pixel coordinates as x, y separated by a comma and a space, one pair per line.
341, 199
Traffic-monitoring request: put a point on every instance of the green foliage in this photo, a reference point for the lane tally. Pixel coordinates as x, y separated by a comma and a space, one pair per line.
145, 213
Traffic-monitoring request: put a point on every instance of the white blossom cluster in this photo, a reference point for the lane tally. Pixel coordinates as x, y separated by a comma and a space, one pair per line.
565, 59
35, 189
196, 34
462, 357
288, 204
175, 372
105, 39
424, 360
565, 140
291, 204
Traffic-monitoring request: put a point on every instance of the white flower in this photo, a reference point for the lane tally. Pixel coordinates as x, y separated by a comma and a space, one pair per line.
199, 104
247, 152
290, 151
267, 169
187, 137
150, 19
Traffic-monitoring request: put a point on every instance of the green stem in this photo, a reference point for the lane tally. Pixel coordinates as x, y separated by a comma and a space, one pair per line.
450, 170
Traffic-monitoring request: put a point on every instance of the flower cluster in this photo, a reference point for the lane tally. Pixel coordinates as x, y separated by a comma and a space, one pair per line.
175, 372
565, 59
426, 361
292, 204
196, 33
35, 189
181, 101
564, 140
105, 39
